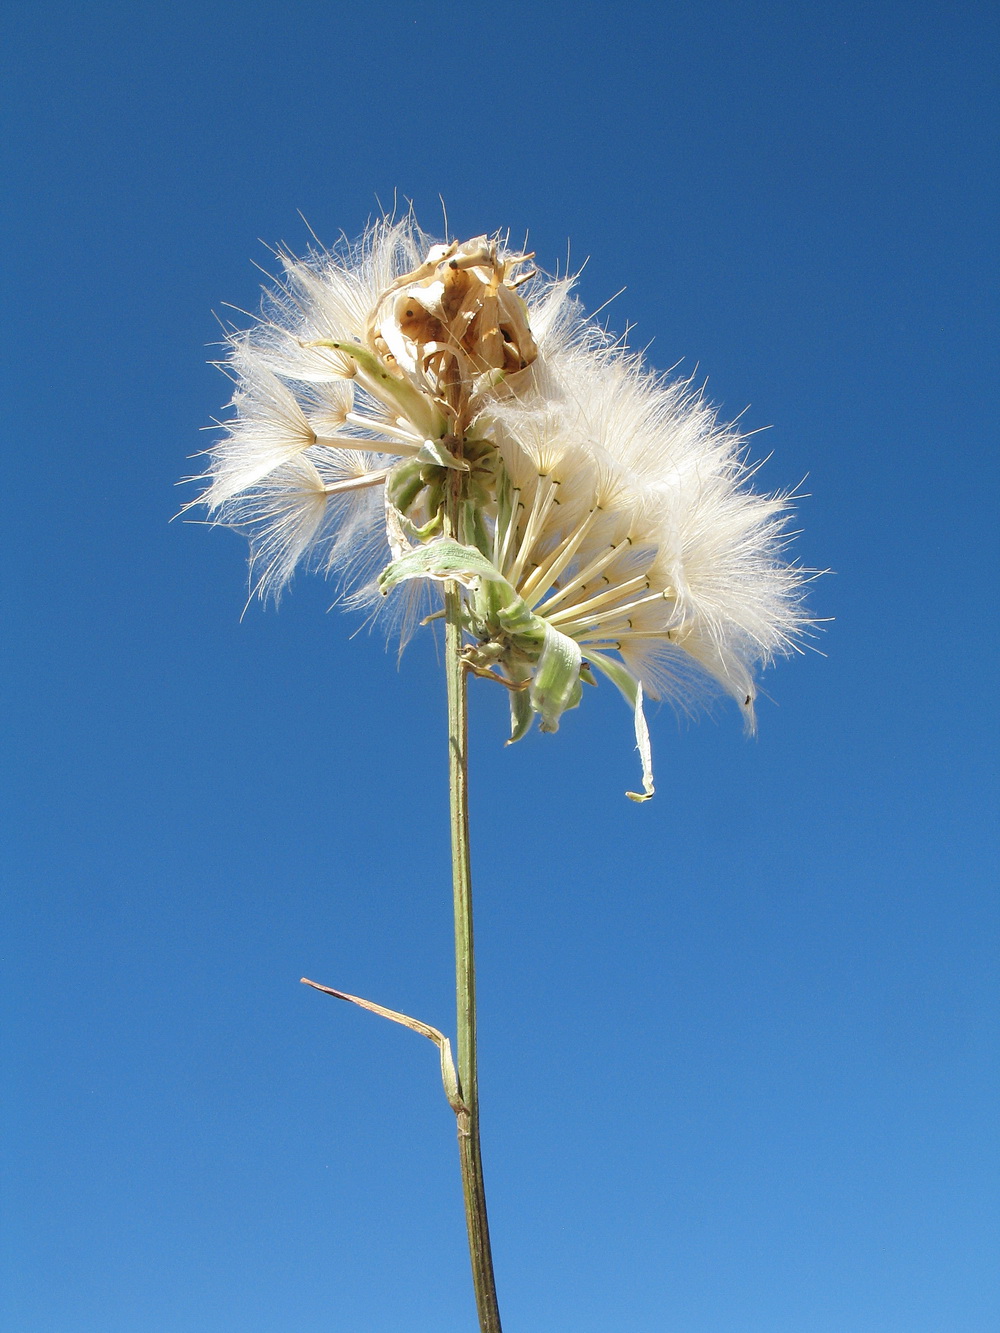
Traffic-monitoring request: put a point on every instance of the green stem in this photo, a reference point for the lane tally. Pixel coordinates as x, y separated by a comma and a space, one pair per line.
469, 1151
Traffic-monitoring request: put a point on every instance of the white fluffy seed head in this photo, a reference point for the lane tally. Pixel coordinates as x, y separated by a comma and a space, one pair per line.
622, 510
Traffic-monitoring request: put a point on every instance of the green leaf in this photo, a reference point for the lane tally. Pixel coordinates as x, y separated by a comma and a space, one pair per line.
444, 558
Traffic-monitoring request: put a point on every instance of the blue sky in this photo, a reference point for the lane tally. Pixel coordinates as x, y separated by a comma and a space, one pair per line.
738, 1046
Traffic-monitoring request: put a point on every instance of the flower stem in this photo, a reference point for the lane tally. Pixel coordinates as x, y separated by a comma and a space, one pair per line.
469, 1151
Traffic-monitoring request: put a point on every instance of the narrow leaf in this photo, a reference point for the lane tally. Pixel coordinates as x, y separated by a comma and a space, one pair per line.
449, 1077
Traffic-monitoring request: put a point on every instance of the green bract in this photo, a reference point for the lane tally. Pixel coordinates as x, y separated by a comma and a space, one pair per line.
544, 667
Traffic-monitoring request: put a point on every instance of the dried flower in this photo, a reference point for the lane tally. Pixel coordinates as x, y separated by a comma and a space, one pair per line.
604, 517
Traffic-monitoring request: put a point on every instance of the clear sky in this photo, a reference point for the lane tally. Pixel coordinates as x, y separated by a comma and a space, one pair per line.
739, 1047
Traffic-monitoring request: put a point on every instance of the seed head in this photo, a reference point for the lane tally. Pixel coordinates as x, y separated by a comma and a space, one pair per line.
404, 399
